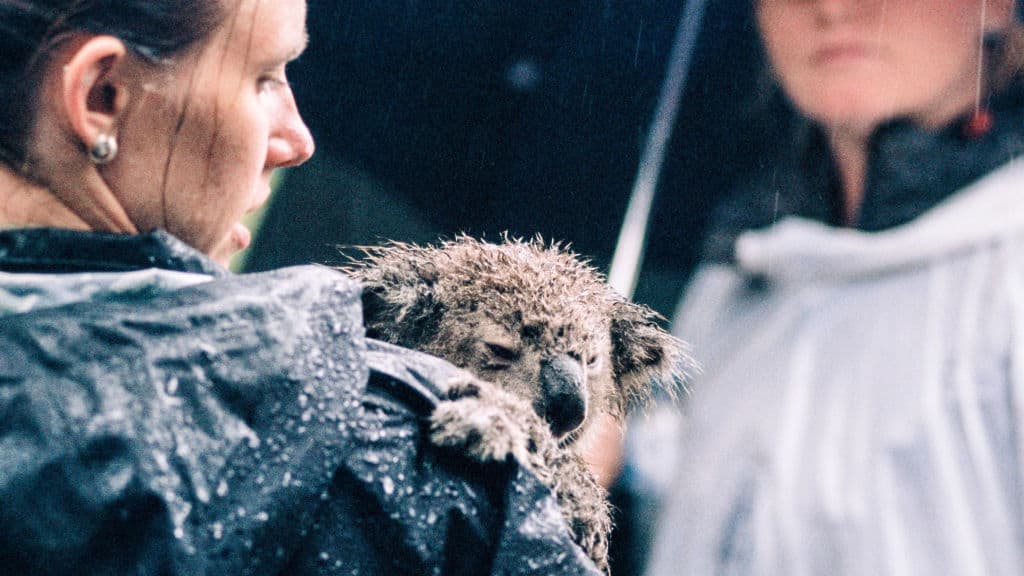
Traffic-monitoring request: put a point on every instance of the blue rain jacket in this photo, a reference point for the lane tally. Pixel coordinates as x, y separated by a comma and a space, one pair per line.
161, 416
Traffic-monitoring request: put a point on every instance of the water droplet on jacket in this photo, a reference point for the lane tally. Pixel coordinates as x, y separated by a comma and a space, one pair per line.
252, 440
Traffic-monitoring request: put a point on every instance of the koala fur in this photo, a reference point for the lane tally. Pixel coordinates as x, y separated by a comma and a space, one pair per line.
560, 344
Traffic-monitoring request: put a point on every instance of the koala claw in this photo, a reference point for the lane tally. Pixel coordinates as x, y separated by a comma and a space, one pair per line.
486, 422
492, 425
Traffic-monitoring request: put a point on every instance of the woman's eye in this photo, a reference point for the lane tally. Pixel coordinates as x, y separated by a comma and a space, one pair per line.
272, 81
594, 362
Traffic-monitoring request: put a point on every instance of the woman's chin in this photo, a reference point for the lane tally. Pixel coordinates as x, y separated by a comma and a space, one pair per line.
237, 239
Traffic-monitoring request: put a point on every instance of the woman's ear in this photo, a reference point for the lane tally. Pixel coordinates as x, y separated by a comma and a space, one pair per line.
93, 88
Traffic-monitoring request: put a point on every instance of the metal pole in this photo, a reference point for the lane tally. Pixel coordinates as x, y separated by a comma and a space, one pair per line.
629, 250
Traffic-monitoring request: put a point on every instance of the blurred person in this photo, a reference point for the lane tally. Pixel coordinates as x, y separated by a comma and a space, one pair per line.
162, 416
859, 311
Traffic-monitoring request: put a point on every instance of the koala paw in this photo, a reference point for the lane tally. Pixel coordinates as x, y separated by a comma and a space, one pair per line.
487, 423
490, 425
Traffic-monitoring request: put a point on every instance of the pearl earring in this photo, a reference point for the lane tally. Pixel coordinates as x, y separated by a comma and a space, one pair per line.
103, 150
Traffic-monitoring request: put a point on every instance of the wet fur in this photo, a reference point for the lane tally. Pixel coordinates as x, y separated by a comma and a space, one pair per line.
456, 298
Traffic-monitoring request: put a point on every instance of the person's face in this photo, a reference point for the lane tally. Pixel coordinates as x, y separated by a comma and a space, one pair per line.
199, 146
857, 63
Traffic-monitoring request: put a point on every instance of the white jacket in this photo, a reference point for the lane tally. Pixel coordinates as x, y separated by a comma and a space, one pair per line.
861, 409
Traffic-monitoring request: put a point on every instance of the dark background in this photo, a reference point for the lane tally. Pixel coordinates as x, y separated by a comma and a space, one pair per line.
435, 117
443, 116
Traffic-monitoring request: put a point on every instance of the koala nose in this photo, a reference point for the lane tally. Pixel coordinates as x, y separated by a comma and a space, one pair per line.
563, 401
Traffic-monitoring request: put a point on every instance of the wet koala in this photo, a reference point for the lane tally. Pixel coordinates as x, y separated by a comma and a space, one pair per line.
559, 343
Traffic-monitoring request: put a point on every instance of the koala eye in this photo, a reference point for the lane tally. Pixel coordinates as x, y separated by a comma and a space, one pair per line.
500, 355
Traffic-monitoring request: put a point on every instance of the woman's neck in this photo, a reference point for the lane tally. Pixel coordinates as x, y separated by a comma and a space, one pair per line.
24, 204
850, 151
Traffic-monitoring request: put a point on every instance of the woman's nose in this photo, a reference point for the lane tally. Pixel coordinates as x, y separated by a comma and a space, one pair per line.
836, 10
291, 143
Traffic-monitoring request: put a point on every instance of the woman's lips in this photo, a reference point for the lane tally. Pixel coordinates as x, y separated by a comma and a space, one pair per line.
841, 52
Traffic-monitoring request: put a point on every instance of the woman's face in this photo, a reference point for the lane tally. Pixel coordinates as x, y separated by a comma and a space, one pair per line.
857, 63
199, 145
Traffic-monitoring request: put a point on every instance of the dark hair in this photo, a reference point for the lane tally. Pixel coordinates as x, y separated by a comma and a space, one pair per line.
1006, 56
30, 29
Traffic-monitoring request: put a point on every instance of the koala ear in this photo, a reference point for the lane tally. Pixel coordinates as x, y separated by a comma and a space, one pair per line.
399, 301
645, 357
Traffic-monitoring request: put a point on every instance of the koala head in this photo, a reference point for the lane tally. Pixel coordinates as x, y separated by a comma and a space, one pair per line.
529, 316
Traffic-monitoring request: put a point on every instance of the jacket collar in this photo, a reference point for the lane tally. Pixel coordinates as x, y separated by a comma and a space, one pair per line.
910, 171
52, 250
984, 213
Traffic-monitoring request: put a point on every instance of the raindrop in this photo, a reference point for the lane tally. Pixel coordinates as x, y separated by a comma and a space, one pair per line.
388, 485
252, 440
161, 460
262, 516
287, 481
222, 489
218, 530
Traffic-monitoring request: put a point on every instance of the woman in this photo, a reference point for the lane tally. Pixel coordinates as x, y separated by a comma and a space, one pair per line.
859, 311
160, 415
